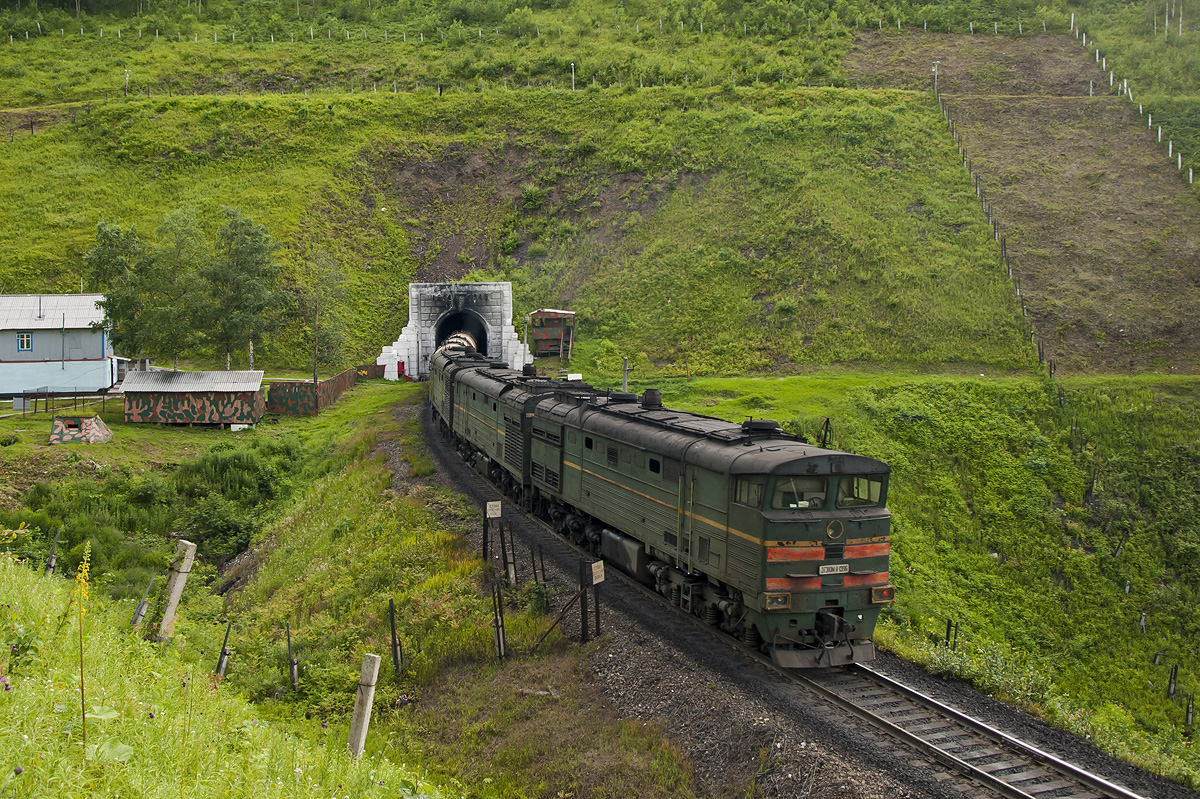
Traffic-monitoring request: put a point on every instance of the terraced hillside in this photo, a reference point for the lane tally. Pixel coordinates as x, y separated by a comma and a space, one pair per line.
1102, 230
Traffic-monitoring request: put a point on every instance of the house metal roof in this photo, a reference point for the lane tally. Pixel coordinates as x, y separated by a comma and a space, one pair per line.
163, 380
49, 311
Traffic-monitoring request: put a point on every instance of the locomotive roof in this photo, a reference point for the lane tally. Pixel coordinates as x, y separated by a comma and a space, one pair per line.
713, 443
706, 441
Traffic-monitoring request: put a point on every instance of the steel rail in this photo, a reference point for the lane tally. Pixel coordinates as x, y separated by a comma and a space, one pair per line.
963, 768
1092, 781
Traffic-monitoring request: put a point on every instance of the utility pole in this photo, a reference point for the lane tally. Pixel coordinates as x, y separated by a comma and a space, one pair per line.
935, 78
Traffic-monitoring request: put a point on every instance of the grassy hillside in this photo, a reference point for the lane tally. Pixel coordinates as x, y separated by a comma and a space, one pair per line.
1046, 519
366, 528
817, 225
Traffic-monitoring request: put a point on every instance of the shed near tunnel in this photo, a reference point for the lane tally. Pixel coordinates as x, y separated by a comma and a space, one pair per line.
170, 397
437, 311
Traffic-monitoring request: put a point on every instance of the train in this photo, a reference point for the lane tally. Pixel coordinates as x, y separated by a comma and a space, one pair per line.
780, 543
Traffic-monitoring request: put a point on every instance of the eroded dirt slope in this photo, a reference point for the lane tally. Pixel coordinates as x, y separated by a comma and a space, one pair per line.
1103, 233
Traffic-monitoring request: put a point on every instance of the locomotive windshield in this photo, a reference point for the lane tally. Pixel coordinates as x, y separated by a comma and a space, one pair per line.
799, 492
859, 492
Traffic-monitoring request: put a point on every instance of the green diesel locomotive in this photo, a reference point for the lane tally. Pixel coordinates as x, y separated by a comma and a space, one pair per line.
780, 543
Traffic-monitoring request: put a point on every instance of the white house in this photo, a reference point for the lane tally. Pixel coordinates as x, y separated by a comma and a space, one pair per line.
47, 344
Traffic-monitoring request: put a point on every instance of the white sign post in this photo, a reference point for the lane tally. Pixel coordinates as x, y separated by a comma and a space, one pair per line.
597, 572
493, 510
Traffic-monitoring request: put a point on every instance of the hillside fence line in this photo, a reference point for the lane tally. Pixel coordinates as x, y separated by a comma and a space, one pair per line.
1123, 88
387, 36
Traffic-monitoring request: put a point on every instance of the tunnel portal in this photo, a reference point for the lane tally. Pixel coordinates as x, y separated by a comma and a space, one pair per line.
438, 310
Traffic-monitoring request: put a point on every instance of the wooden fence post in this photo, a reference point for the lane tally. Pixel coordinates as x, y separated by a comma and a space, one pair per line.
363, 700
185, 554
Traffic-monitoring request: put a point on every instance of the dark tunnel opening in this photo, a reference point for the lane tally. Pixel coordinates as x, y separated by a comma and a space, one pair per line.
466, 321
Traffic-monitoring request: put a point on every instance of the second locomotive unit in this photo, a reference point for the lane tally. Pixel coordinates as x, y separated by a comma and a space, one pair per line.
780, 543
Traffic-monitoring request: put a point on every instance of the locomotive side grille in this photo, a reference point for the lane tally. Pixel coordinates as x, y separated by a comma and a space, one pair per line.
513, 445
834, 551
547, 435
547, 476
612, 456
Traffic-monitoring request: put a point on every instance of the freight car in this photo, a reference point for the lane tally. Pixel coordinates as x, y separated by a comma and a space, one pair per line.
780, 543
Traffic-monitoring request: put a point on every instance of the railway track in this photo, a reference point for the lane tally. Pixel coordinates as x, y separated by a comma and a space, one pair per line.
980, 760
988, 757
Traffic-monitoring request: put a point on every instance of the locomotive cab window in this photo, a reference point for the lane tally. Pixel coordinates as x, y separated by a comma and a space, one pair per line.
859, 492
587, 441
655, 466
749, 492
799, 493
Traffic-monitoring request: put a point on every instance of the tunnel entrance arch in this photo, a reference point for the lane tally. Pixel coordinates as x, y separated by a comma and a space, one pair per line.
438, 310
466, 321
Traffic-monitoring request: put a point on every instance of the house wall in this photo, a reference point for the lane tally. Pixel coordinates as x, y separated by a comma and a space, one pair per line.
198, 407
54, 345
81, 376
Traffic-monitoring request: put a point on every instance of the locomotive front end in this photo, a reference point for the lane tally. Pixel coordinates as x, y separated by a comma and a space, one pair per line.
826, 532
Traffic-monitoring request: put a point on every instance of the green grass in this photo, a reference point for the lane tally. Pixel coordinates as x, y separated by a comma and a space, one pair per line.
160, 726
1021, 509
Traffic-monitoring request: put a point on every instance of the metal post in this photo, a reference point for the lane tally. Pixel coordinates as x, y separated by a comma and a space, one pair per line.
503, 553
293, 663
223, 660
140, 613
585, 576
363, 699
596, 603
498, 620
53, 559
572, 76
397, 651
624, 374
487, 523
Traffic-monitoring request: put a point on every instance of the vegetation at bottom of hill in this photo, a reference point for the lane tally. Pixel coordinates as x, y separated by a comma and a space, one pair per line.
158, 724
732, 229
218, 494
357, 526
369, 533
1055, 522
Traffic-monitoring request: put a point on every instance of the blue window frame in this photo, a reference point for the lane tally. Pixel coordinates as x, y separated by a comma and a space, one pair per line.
24, 342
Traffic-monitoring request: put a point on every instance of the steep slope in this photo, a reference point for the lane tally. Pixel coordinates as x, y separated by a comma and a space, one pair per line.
1102, 232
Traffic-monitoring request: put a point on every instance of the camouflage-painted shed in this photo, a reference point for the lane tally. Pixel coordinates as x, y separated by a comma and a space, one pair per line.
167, 397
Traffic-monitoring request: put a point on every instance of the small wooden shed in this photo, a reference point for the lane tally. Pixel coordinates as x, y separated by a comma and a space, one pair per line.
551, 332
169, 397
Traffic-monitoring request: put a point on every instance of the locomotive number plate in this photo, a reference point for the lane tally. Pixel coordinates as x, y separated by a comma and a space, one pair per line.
836, 568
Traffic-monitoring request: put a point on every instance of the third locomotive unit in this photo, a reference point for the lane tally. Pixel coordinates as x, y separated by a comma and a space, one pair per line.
780, 543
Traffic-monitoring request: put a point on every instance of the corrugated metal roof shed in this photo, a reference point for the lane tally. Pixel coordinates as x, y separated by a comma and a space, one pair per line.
49, 311
166, 380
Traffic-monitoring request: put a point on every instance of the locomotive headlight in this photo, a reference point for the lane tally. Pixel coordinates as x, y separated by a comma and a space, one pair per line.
883, 594
778, 601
